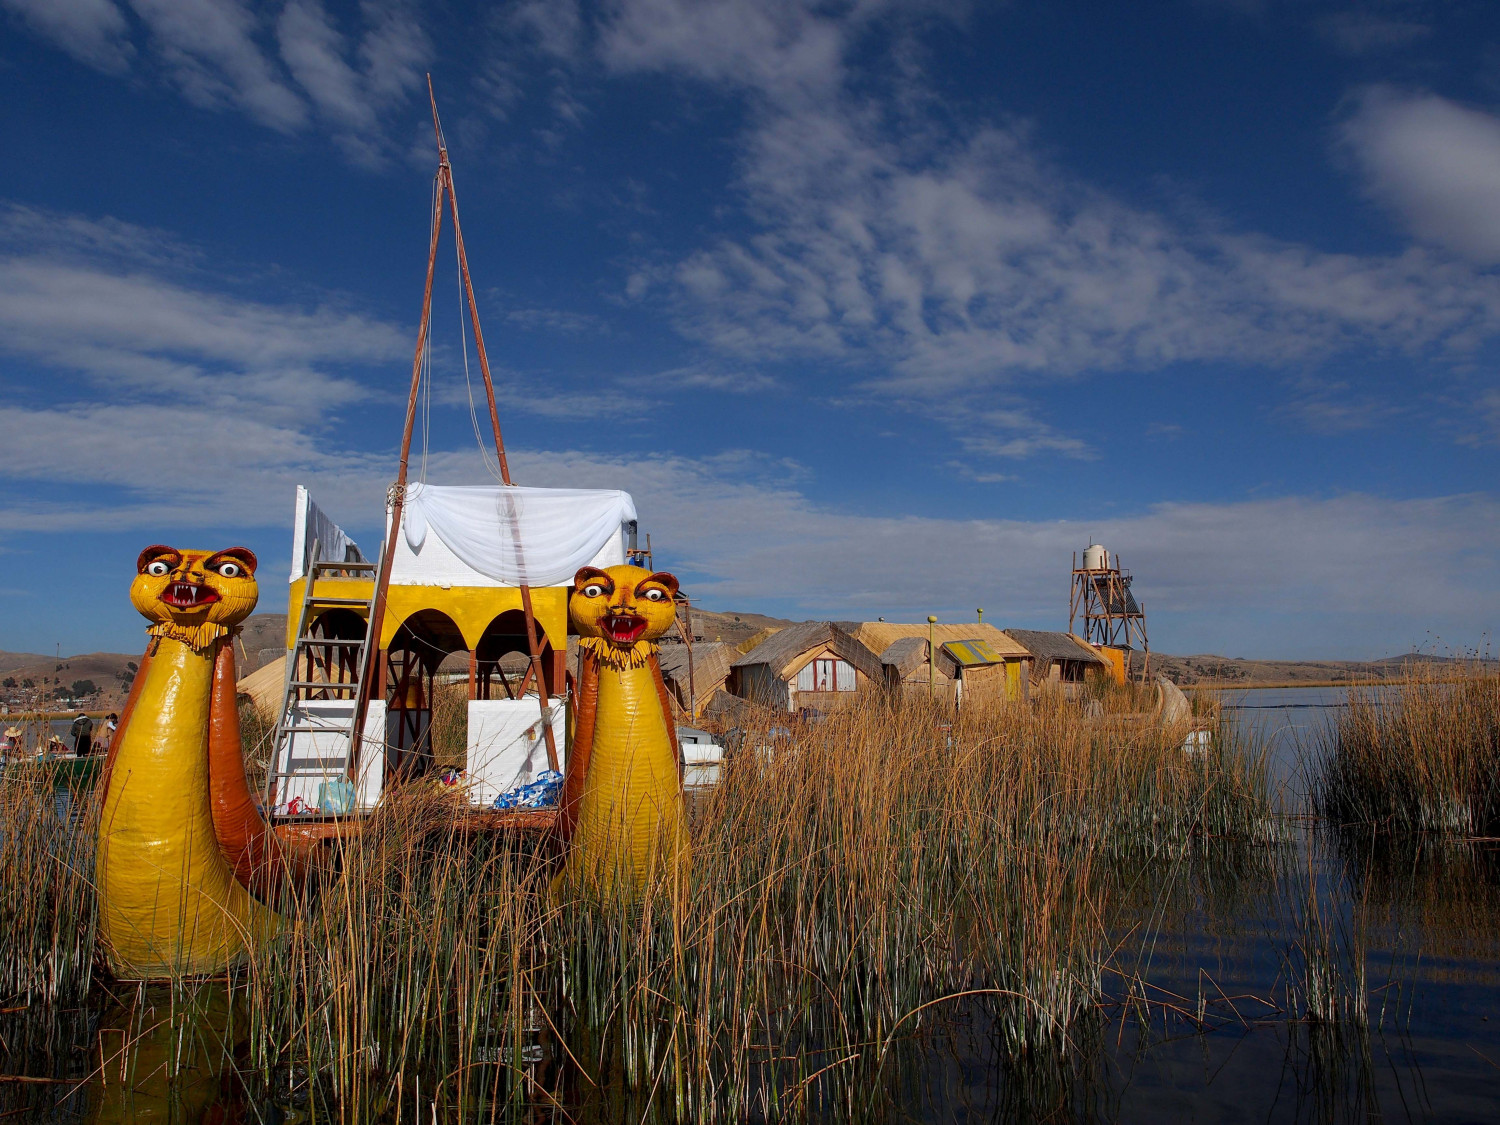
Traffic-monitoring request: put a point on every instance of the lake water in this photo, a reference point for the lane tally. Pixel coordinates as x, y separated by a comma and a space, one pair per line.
1290, 724
1215, 1036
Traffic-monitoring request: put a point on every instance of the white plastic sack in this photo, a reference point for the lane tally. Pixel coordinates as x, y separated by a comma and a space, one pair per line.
539, 536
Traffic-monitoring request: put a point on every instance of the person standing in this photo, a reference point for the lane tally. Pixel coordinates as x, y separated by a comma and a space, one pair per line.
83, 735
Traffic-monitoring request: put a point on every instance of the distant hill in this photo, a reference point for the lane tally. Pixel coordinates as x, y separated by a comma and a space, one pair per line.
109, 671
732, 627
1207, 668
262, 639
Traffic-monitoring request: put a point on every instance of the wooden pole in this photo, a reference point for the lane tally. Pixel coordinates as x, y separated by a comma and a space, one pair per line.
375, 673
931, 657
445, 175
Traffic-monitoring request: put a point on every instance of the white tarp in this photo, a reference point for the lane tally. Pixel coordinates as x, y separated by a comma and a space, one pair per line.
508, 744
560, 529
310, 758
312, 525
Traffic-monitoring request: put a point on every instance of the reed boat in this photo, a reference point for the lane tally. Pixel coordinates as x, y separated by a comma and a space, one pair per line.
484, 570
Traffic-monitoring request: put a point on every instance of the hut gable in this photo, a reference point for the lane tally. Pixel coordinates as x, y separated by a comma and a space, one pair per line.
784, 650
1049, 646
711, 663
907, 656
768, 673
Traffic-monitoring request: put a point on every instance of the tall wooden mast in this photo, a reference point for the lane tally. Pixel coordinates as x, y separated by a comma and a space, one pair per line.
444, 185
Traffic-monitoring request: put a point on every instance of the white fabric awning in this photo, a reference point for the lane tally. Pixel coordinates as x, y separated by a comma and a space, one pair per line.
311, 525
539, 536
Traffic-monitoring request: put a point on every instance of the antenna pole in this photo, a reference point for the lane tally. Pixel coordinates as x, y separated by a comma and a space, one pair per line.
374, 673
534, 644
445, 176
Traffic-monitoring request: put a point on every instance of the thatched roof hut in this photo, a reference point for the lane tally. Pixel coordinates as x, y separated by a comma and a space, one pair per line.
711, 661
1058, 657
972, 659
811, 664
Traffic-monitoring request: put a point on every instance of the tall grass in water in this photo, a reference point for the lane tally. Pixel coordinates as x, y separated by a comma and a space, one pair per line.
47, 909
1420, 756
850, 885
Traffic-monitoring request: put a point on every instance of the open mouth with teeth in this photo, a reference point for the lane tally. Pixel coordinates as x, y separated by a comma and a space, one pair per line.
188, 595
623, 628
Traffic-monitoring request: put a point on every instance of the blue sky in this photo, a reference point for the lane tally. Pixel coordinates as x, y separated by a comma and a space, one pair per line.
877, 308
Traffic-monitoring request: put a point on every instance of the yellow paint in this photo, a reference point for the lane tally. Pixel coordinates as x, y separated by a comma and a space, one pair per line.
631, 818
471, 608
1014, 692
1115, 659
169, 904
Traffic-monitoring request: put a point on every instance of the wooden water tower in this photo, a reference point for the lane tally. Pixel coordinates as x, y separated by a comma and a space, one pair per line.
1102, 602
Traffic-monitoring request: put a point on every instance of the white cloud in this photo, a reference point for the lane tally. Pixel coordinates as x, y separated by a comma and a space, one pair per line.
782, 48
92, 31
1369, 33
124, 308
556, 26
1433, 162
961, 264
223, 54
978, 261
1285, 576
211, 49
699, 378
391, 52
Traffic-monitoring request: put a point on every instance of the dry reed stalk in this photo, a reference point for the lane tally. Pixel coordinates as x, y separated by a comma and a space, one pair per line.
1422, 755
854, 885
848, 883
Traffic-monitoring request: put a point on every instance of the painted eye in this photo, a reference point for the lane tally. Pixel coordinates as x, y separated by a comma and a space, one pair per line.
158, 569
654, 595
593, 590
230, 569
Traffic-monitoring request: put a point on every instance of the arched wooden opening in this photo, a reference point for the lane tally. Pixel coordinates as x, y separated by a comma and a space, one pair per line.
504, 635
333, 662
411, 664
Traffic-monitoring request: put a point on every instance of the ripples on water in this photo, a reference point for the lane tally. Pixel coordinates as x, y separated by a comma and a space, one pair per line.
1210, 1021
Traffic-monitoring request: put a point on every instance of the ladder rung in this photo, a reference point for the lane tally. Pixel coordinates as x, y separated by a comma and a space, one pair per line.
343, 685
317, 599
297, 729
363, 566
310, 642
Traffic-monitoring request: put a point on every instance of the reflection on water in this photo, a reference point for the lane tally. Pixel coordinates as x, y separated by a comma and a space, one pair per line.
1327, 978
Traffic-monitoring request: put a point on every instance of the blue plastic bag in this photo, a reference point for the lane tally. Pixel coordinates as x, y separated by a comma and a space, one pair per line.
335, 796
540, 793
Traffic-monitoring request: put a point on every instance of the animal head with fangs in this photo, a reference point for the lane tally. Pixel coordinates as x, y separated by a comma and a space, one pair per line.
620, 612
194, 596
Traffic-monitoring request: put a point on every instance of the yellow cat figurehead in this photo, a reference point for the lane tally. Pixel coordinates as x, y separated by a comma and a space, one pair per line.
194, 596
618, 613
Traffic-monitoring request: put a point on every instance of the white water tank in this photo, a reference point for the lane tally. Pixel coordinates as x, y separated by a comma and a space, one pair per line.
1095, 557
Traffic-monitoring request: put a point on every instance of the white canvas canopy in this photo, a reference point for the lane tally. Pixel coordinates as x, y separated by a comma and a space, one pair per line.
482, 535
486, 535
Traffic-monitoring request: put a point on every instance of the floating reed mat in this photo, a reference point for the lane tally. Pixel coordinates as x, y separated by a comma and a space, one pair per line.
854, 885
1421, 755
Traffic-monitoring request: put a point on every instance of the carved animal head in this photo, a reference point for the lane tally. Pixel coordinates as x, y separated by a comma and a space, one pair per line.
194, 596
623, 605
